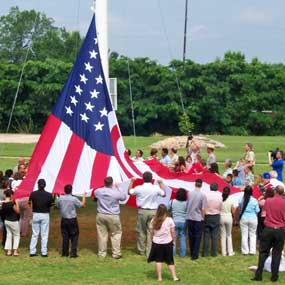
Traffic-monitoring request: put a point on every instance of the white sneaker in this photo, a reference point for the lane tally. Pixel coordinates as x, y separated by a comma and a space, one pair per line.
231, 254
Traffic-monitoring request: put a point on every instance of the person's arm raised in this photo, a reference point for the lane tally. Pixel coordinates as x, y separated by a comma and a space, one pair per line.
160, 184
83, 200
131, 184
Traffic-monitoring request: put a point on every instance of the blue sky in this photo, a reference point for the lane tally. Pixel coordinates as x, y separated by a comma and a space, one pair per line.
154, 28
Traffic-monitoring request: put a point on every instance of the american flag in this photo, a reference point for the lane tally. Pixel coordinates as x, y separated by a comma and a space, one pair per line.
81, 142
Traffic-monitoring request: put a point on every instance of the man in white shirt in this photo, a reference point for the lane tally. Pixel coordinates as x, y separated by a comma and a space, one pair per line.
138, 156
165, 159
273, 179
228, 168
146, 197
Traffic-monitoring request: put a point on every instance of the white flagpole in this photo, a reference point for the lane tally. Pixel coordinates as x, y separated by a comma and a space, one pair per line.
102, 34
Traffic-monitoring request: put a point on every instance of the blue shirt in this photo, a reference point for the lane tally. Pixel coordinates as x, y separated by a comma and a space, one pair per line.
68, 204
109, 200
236, 181
196, 202
178, 210
251, 209
277, 165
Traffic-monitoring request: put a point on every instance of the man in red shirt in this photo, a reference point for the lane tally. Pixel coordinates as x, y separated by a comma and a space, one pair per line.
273, 234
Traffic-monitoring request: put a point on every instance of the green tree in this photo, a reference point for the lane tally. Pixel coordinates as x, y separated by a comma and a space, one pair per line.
21, 30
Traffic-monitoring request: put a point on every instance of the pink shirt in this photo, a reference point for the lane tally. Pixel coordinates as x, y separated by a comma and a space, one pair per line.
163, 235
214, 203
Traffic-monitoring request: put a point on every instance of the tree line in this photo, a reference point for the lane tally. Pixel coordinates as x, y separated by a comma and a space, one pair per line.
226, 96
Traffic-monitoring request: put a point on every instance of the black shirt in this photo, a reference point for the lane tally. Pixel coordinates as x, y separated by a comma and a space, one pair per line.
8, 212
41, 201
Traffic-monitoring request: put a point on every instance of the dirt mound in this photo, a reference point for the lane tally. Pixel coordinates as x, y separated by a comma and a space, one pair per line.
180, 142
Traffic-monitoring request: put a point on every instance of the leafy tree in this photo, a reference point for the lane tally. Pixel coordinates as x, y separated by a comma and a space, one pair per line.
21, 30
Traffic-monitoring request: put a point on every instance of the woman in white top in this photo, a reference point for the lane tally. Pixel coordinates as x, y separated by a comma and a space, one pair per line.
226, 223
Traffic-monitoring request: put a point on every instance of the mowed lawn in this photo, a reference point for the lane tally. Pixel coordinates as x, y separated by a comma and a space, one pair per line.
132, 268
234, 149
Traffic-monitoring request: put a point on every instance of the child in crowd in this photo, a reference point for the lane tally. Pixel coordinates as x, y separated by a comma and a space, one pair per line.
236, 179
229, 179
162, 231
178, 207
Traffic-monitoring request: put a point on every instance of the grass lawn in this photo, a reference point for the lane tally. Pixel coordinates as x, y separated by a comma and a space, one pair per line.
234, 149
131, 269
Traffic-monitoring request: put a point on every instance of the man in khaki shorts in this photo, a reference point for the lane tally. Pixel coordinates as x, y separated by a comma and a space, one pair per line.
108, 217
146, 196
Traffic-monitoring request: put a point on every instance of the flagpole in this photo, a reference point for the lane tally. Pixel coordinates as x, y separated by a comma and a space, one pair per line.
185, 31
102, 33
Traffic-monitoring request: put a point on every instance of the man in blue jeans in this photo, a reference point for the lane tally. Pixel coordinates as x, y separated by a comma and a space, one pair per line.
197, 203
41, 202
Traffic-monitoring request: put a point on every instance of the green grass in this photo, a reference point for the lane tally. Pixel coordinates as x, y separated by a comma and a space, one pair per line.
234, 149
131, 269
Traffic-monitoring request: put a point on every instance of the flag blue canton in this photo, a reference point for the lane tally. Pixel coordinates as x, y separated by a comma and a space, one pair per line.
84, 102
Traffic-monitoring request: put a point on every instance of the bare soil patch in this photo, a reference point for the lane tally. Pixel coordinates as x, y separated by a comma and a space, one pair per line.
19, 138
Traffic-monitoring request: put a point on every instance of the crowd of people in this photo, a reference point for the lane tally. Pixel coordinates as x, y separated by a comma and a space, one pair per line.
193, 214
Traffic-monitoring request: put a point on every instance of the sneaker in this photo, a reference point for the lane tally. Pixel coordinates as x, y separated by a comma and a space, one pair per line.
33, 255
117, 257
232, 254
44, 255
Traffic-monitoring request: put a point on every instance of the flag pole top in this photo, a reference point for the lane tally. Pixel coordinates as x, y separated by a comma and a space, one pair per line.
93, 7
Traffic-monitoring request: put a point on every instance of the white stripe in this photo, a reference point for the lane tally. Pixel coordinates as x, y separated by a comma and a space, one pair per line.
114, 170
120, 144
83, 173
113, 121
55, 157
121, 149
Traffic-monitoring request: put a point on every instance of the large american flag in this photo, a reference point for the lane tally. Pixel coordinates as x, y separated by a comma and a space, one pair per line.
81, 142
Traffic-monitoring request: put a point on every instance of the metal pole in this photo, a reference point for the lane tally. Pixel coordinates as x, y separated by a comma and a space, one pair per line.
185, 31
102, 34
131, 98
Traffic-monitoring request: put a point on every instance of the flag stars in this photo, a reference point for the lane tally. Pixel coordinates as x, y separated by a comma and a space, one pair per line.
68, 110
98, 126
94, 94
78, 89
89, 106
83, 78
99, 79
95, 41
93, 54
84, 117
73, 100
88, 66
103, 112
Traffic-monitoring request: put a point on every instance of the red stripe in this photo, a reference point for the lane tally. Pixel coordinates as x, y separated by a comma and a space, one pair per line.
69, 164
115, 135
39, 156
207, 177
99, 170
